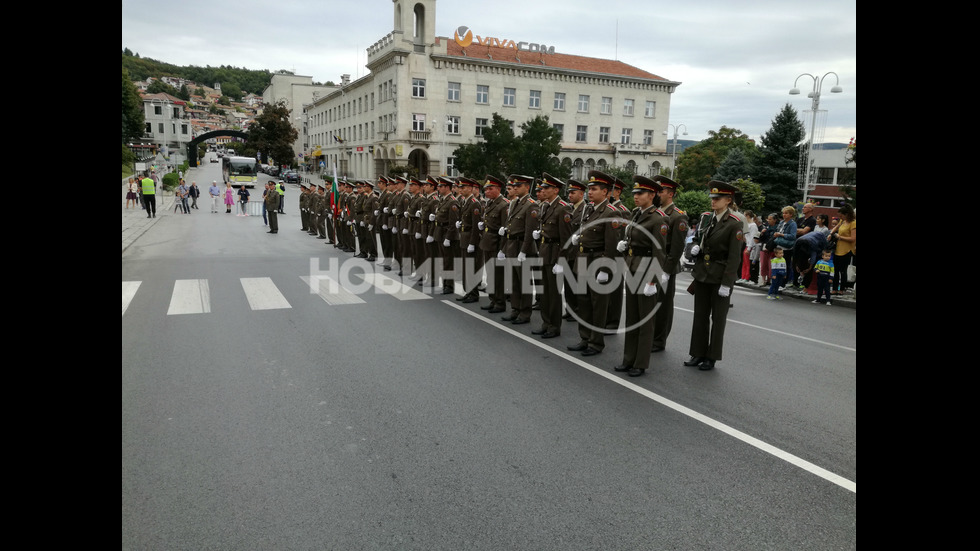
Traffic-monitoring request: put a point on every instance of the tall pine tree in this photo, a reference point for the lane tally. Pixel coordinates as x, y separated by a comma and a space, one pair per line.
777, 168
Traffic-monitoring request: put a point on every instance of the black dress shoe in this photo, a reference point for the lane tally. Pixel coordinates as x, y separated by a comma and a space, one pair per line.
549, 335
509, 318
467, 300
622, 368
538, 332
634, 372
487, 307
536, 305
578, 347
387, 268
520, 321
693, 361
568, 317
590, 351
657, 349
706, 365
496, 310
372, 258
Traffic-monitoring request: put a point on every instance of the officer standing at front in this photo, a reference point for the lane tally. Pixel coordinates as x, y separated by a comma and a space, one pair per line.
271, 205
615, 312
553, 244
576, 197
597, 240
522, 219
643, 247
676, 236
471, 214
493, 227
447, 233
716, 264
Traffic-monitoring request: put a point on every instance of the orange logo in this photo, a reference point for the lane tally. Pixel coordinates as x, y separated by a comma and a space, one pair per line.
464, 36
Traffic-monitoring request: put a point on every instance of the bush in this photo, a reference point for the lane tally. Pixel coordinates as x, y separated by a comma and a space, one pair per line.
170, 181
693, 203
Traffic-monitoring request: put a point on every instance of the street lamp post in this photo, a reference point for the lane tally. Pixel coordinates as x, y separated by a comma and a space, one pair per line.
673, 159
808, 179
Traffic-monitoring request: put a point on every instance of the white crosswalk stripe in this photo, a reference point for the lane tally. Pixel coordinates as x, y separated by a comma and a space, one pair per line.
394, 288
129, 289
262, 294
190, 296
330, 291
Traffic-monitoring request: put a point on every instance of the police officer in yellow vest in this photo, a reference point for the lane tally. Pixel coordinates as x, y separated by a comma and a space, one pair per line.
281, 188
149, 186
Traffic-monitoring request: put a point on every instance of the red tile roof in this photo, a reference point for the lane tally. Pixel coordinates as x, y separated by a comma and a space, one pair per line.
556, 60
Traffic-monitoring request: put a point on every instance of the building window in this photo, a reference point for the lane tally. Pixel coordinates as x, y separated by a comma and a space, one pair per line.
583, 103
510, 97
418, 87
559, 101
452, 125
481, 124
603, 134
651, 110
606, 108
627, 134
628, 108
157, 110
580, 132
534, 100
160, 129
561, 130
454, 91
482, 94
451, 167
648, 137
418, 122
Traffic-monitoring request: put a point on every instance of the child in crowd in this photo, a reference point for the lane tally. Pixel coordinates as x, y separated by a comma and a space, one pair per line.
825, 275
777, 273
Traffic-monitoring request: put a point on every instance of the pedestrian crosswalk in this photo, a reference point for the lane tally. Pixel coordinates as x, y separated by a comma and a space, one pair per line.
193, 296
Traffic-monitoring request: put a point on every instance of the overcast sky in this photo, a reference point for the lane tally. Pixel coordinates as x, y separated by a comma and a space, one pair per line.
736, 60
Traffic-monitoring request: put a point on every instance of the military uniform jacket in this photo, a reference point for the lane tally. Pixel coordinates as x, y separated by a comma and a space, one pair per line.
368, 206
556, 230
304, 201
494, 218
602, 230
383, 217
429, 205
522, 219
676, 235
271, 200
414, 219
447, 214
721, 251
648, 242
471, 213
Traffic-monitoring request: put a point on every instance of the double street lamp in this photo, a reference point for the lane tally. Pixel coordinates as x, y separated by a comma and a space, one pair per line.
673, 161
815, 96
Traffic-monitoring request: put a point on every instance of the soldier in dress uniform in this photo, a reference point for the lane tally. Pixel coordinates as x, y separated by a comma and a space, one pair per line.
381, 224
413, 212
522, 219
447, 232
493, 228
717, 254
597, 239
272, 209
553, 243
471, 214
359, 207
318, 212
643, 246
677, 226
615, 312
398, 225
303, 200
578, 202
427, 213
369, 209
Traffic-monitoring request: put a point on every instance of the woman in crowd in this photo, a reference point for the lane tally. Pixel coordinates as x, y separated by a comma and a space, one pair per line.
229, 197
845, 235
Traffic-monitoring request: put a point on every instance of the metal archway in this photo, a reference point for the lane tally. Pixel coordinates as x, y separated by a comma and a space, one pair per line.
192, 145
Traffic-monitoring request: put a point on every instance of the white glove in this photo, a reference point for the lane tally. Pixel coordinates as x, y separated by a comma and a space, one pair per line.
384, 227
362, 223
394, 230
405, 231
502, 231
429, 239
602, 277
479, 225
418, 214
386, 210
330, 215
575, 239
370, 227
432, 218
724, 291
445, 243
406, 214
621, 246
418, 235
470, 248
375, 212
695, 250
536, 234
664, 280
501, 256
458, 224
557, 269
650, 289
521, 257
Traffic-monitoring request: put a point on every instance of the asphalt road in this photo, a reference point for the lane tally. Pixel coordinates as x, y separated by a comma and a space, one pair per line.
257, 415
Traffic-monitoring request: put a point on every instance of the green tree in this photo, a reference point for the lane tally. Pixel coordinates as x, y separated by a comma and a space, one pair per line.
537, 150
161, 87
697, 164
750, 195
272, 135
626, 175
132, 110
734, 167
779, 161
693, 202
495, 154
232, 90
848, 179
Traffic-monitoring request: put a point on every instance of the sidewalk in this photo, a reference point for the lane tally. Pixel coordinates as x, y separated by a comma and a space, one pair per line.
847, 300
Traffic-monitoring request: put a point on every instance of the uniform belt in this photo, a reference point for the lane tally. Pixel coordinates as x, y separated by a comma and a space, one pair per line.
583, 249
516, 236
442, 224
641, 251
550, 240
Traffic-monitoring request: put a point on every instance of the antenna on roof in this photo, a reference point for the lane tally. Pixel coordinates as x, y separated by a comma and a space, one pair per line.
616, 48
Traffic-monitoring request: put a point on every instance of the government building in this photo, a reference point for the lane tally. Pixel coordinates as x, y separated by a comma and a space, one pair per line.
426, 95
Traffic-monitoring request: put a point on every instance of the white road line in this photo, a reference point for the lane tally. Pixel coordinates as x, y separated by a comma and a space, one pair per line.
190, 296
129, 289
752, 441
771, 330
394, 288
262, 294
330, 291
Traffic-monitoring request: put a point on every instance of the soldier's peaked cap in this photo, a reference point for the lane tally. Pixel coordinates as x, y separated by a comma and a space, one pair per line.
464, 181
642, 183
665, 182
547, 180
431, 181
520, 179
575, 184
598, 178
445, 181
717, 188
494, 181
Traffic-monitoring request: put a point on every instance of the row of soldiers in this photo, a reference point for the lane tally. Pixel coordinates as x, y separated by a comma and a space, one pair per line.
444, 226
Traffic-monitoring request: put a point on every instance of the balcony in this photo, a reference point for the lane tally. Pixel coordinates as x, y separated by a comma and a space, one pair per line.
420, 136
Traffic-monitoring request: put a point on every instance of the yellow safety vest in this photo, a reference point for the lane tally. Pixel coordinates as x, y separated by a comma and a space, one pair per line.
149, 186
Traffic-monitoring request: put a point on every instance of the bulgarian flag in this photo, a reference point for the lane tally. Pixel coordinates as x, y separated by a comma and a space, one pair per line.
333, 193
